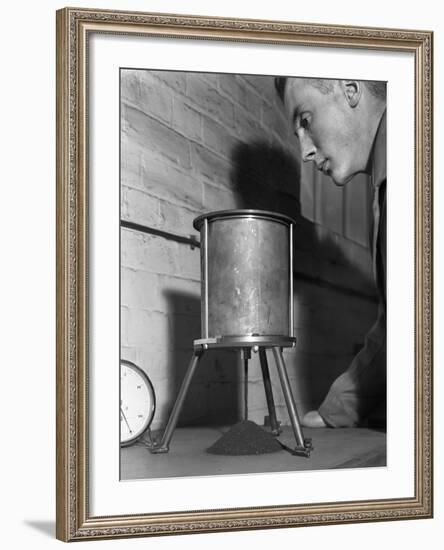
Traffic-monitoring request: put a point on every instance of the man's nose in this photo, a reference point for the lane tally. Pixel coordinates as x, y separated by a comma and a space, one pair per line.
308, 149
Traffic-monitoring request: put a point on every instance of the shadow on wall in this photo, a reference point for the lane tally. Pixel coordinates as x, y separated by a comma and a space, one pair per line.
213, 396
268, 178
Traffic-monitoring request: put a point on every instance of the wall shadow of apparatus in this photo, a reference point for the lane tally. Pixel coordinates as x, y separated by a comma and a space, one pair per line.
213, 396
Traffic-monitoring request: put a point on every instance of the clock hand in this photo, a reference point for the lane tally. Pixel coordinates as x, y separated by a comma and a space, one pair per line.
124, 417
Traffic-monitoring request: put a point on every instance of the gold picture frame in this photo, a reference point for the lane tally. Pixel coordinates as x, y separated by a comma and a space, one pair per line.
74, 26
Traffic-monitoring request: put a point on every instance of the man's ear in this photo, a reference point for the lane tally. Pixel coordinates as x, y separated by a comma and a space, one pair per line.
352, 90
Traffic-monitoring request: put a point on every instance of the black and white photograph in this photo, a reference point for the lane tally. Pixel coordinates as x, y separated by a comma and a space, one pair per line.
252, 273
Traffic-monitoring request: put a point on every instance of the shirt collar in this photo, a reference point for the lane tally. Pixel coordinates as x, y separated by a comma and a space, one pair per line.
379, 153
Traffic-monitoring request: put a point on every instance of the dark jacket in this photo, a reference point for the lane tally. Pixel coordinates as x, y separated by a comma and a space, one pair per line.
361, 390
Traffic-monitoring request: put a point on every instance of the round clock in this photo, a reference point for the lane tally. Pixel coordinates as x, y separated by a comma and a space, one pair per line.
137, 402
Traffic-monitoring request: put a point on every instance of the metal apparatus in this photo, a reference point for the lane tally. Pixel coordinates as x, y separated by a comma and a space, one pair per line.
247, 302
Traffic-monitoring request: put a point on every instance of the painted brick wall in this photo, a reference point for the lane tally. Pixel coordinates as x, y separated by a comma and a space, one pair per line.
193, 143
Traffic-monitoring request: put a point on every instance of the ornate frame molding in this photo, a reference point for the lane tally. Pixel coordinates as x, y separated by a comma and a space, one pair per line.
73, 519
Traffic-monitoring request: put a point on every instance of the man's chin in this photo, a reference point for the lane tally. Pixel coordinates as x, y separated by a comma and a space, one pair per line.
341, 179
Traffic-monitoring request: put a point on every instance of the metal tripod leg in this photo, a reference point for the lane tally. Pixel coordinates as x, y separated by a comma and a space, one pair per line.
269, 392
303, 446
163, 446
245, 355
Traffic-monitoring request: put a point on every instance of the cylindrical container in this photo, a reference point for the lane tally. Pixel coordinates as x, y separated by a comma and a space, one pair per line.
247, 273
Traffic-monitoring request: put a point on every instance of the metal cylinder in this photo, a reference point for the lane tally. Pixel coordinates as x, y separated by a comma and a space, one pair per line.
246, 269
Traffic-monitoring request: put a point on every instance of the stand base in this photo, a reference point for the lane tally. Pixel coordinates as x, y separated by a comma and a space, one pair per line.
158, 449
304, 450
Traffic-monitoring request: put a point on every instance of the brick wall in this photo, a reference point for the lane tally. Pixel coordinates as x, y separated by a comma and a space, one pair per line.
193, 143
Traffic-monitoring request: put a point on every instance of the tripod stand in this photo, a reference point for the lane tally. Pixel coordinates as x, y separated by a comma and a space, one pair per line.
244, 344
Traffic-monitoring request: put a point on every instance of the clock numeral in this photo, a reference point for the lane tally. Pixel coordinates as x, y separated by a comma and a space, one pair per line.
140, 416
139, 387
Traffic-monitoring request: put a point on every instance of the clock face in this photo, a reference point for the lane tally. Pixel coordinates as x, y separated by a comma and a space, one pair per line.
136, 402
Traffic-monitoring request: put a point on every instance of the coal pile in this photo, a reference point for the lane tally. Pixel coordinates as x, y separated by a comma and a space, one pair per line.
245, 438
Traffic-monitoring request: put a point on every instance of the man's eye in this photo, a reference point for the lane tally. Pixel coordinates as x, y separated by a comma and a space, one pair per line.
305, 123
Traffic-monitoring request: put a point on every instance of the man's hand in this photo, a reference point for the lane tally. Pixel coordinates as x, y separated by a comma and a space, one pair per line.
313, 420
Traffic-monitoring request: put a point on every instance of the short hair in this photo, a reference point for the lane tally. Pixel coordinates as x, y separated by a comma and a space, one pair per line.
279, 84
376, 87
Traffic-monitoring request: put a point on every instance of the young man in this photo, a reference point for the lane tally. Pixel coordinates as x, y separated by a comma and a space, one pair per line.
341, 127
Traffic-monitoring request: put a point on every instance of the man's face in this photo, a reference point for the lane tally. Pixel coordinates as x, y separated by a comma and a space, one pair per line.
327, 127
